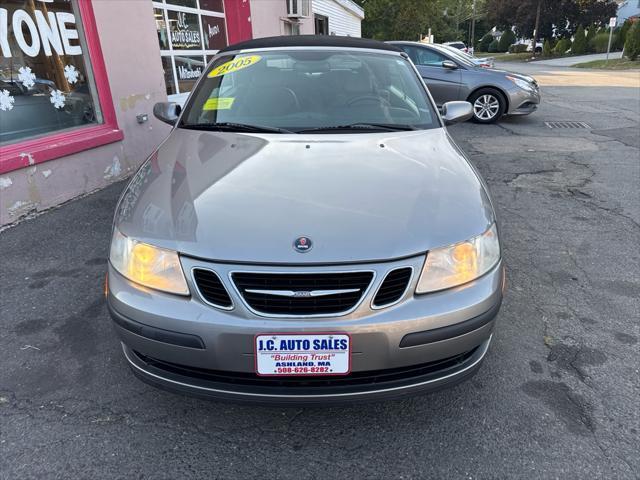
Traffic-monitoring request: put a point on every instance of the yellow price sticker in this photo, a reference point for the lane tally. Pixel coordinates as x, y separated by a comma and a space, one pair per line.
234, 65
222, 103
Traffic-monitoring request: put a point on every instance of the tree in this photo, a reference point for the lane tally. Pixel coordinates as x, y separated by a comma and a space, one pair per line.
562, 46
493, 46
579, 42
591, 35
559, 17
483, 45
507, 39
601, 42
546, 48
408, 19
622, 35
632, 45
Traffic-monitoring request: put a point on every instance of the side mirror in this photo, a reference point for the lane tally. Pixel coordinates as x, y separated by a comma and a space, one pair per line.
456, 112
168, 112
450, 65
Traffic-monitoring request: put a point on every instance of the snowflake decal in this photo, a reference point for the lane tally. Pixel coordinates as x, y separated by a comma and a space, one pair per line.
6, 101
26, 77
71, 74
57, 98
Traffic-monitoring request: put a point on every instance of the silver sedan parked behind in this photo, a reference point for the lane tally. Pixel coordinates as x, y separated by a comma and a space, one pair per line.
451, 76
308, 232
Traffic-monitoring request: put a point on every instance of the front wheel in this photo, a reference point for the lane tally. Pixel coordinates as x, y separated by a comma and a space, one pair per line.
488, 105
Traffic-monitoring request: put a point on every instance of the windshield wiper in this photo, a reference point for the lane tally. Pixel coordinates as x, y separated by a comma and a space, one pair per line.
389, 127
234, 127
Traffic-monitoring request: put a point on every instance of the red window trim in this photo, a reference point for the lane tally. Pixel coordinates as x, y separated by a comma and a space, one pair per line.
56, 145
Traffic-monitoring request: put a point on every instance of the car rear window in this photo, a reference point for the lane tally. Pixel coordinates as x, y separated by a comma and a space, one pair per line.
305, 89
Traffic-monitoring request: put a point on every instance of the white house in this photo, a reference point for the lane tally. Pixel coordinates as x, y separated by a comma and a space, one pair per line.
337, 17
628, 9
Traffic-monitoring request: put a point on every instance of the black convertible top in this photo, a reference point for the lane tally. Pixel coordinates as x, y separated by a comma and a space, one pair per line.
311, 41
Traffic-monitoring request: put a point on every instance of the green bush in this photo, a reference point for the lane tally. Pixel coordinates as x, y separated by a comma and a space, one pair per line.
546, 48
562, 47
579, 42
591, 35
483, 44
632, 44
518, 48
601, 41
493, 46
622, 35
507, 39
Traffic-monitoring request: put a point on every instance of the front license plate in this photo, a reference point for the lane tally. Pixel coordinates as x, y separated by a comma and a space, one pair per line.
295, 354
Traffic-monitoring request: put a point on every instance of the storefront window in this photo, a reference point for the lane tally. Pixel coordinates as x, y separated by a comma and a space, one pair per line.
189, 70
184, 3
46, 81
161, 26
190, 32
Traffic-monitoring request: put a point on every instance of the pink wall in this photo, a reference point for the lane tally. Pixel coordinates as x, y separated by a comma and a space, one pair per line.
132, 57
267, 19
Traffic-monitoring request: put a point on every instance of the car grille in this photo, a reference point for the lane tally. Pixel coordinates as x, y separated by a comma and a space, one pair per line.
302, 294
211, 288
393, 287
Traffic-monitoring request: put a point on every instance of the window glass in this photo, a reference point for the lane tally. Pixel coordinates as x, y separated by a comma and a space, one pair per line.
161, 27
215, 34
46, 83
423, 56
183, 3
213, 5
185, 31
298, 90
186, 39
167, 66
189, 70
458, 55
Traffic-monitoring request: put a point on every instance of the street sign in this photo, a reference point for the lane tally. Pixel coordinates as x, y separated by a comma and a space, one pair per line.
612, 25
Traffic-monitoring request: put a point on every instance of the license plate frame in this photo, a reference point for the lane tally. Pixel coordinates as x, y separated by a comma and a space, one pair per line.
339, 360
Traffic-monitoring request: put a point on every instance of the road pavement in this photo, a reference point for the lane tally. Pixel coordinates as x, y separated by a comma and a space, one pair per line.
557, 396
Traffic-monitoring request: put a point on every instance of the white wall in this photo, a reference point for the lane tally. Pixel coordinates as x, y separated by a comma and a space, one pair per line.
345, 17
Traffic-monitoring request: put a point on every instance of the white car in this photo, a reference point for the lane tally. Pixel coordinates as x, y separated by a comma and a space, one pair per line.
458, 46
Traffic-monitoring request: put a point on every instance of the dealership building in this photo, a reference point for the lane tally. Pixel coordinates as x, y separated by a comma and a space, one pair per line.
79, 78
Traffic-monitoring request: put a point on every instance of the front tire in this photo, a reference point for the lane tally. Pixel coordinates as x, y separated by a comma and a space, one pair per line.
488, 105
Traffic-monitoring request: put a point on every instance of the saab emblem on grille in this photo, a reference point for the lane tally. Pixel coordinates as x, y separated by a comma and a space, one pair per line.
302, 244
303, 294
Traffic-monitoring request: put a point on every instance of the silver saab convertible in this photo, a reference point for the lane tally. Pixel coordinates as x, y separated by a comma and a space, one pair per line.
308, 233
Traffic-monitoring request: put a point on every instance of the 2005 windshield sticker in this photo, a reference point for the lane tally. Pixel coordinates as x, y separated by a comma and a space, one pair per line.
234, 65
303, 354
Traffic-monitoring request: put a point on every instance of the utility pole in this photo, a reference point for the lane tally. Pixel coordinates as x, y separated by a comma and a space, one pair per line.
473, 28
535, 31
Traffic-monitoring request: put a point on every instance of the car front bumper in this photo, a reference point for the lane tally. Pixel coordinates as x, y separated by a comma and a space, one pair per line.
423, 343
523, 102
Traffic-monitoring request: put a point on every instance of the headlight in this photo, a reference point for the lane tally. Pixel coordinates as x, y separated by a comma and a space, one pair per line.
147, 265
454, 265
521, 83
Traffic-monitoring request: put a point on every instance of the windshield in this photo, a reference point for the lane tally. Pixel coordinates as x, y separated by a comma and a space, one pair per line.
302, 90
459, 55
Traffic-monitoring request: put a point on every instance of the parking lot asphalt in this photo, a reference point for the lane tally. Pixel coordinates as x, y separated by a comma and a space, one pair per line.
557, 397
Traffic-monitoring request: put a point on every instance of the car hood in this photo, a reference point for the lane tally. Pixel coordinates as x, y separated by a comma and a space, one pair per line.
359, 197
526, 78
